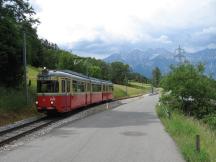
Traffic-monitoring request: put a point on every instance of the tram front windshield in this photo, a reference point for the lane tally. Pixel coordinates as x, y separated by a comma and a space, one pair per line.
47, 86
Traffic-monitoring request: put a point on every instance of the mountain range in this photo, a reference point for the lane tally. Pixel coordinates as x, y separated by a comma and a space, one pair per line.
143, 61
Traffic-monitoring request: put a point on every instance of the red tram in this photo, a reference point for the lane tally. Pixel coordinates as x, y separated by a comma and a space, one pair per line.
63, 90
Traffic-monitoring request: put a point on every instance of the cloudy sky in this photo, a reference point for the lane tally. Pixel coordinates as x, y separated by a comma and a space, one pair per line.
102, 27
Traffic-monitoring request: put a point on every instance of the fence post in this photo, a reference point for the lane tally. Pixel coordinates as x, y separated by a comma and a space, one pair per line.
169, 114
198, 143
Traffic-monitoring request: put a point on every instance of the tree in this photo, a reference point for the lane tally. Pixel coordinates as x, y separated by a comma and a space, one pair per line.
15, 16
94, 71
156, 77
191, 89
106, 69
137, 77
10, 54
119, 71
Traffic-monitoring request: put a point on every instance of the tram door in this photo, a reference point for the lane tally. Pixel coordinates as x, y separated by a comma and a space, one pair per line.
88, 93
103, 92
68, 95
65, 94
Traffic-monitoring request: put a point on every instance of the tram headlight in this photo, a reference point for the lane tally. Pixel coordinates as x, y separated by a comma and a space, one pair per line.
51, 102
36, 102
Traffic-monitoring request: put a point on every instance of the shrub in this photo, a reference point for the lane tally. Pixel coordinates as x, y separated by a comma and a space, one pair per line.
210, 120
12, 100
191, 89
169, 101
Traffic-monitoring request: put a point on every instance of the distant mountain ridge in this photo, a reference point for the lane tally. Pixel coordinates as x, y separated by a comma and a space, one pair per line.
143, 61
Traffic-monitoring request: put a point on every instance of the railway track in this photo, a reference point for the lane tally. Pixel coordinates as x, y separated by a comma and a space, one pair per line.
9, 135
17, 131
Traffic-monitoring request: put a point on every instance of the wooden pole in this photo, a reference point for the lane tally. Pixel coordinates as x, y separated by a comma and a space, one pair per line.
25, 66
198, 143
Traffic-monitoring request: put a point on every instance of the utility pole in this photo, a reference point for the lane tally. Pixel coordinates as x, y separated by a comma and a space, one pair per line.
179, 55
152, 88
25, 68
126, 82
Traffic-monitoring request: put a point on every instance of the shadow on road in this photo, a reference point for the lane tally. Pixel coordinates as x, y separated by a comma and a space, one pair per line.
116, 118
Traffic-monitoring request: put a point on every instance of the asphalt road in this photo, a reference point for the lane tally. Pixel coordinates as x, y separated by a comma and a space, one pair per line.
130, 133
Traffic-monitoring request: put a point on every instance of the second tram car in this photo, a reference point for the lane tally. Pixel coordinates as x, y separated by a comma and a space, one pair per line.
63, 91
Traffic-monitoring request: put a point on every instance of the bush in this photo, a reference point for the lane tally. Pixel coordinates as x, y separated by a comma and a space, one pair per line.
161, 111
12, 100
190, 89
169, 101
210, 120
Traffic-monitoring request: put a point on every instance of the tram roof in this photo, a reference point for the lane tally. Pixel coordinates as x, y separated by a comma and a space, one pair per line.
75, 75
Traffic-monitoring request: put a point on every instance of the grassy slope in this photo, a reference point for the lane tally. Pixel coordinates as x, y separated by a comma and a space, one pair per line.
12, 102
32, 75
184, 129
132, 89
139, 85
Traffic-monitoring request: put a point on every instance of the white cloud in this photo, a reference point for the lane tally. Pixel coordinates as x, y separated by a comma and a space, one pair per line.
210, 30
207, 31
212, 46
164, 39
72, 20
134, 21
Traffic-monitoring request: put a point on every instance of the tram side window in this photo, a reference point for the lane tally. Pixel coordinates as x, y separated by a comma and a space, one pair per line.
68, 85
93, 87
99, 88
88, 87
78, 87
110, 88
74, 86
81, 87
104, 88
96, 88
63, 86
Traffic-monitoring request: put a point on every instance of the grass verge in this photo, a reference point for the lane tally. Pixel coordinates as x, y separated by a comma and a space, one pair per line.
13, 106
183, 129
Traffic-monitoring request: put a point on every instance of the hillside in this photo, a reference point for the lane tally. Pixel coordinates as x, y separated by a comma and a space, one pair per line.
134, 88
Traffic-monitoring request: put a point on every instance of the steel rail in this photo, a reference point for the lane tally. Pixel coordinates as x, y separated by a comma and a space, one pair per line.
19, 124
12, 134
